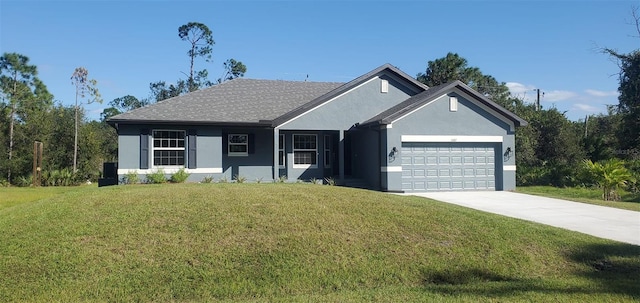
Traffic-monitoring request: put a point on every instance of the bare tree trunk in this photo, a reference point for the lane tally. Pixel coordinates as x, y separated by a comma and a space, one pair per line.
190, 82
11, 125
75, 137
14, 105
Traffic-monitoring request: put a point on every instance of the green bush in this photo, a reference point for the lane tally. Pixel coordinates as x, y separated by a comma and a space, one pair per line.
180, 176
23, 181
156, 177
240, 179
330, 181
62, 177
610, 175
207, 179
634, 167
131, 177
281, 179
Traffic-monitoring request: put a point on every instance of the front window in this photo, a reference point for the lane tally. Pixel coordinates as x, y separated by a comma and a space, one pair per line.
305, 153
168, 148
238, 145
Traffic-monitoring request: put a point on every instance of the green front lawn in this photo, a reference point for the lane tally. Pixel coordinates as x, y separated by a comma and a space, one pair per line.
586, 195
292, 243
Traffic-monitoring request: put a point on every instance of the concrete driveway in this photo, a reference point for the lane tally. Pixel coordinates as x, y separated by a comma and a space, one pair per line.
604, 222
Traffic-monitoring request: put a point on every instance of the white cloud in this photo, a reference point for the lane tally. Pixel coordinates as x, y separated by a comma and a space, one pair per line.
599, 93
518, 88
575, 103
586, 108
558, 95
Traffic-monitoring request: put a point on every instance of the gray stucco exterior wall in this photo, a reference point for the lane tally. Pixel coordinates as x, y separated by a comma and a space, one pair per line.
319, 171
469, 121
356, 106
208, 151
257, 165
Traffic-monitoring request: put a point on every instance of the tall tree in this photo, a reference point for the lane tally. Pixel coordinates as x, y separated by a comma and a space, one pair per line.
442, 70
629, 99
454, 67
629, 88
232, 69
600, 135
85, 87
201, 43
122, 104
161, 91
24, 91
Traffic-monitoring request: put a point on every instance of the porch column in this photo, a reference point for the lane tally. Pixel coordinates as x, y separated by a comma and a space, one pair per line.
276, 157
341, 156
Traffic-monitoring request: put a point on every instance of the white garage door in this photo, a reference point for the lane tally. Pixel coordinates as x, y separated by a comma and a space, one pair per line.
448, 166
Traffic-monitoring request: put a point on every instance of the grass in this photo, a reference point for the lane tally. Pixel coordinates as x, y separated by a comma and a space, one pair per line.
585, 195
10, 196
292, 242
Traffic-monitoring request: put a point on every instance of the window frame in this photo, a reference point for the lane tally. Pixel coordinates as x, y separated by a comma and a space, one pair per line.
178, 148
235, 153
327, 151
305, 150
282, 155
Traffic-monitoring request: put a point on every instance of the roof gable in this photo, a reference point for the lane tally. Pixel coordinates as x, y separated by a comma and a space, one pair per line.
416, 102
410, 81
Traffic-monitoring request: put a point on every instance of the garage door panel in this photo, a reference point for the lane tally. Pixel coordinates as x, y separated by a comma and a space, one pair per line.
419, 185
448, 166
469, 172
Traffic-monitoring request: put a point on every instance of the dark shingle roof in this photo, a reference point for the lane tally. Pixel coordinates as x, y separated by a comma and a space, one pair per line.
248, 101
405, 107
235, 101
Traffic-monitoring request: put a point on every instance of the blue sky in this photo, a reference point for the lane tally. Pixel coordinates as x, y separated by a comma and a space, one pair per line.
125, 45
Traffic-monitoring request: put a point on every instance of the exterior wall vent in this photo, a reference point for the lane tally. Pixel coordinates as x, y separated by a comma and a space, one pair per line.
384, 86
453, 104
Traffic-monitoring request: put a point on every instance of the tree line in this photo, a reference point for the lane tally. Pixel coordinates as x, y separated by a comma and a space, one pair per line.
551, 150
75, 147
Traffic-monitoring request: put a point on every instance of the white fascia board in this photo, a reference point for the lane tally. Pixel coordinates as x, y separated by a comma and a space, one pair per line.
326, 102
391, 169
446, 138
171, 170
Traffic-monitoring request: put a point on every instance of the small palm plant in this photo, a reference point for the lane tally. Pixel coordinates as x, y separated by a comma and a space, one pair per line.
610, 176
